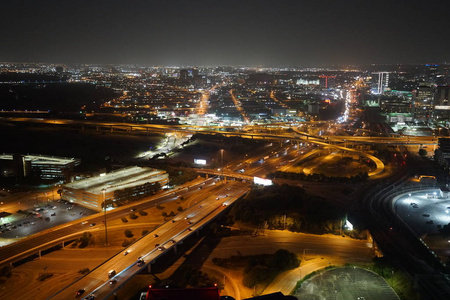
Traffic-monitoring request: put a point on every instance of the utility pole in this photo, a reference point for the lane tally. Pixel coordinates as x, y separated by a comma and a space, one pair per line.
104, 210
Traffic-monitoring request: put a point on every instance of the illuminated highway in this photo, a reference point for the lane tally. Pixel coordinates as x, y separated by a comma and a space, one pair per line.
153, 245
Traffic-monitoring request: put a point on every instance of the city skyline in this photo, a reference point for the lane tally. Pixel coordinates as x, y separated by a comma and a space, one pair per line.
256, 33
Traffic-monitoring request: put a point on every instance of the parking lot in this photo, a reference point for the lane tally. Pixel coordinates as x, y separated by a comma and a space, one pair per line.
40, 217
424, 211
344, 284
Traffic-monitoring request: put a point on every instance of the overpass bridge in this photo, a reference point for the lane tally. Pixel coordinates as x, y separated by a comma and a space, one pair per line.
144, 252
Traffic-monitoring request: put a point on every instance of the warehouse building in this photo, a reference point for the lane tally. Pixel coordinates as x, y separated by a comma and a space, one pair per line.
127, 183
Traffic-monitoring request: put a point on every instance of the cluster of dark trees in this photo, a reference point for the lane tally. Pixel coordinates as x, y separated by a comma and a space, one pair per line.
191, 277
317, 177
180, 175
288, 207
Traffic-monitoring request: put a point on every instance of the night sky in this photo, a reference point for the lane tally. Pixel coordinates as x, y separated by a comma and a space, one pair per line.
210, 32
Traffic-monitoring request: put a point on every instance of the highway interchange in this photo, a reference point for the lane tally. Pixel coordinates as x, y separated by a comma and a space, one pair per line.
393, 241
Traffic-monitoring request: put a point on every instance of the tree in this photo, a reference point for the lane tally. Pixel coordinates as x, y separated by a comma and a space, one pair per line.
85, 239
423, 152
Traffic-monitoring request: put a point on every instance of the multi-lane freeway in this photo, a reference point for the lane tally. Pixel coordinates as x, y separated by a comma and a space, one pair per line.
69, 231
150, 247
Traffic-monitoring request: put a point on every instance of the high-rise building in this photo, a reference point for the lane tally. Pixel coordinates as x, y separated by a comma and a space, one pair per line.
423, 102
442, 153
442, 104
382, 82
184, 75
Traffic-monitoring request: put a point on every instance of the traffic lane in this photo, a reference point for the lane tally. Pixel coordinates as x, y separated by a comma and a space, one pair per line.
298, 243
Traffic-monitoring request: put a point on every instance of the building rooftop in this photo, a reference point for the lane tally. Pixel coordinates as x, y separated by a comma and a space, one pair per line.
117, 180
42, 159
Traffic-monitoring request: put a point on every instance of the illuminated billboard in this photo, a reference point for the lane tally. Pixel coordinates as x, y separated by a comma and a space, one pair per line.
200, 161
262, 181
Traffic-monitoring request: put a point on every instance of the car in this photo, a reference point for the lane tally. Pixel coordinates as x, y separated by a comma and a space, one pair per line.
112, 281
426, 215
111, 274
81, 213
161, 248
217, 198
92, 224
224, 204
140, 262
126, 252
189, 222
173, 221
133, 209
54, 207
155, 235
156, 245
189, 229
84, 222
79, 293
429, 222
90, 297
172, 241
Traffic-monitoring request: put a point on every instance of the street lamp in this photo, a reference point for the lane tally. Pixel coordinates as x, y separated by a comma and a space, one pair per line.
104, 210
221, 169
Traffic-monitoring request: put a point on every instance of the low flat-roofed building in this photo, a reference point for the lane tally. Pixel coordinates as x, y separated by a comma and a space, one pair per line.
117, 185
49, 167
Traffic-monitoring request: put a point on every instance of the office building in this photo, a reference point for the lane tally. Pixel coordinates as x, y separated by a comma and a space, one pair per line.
46, 167
423, 102
382, 82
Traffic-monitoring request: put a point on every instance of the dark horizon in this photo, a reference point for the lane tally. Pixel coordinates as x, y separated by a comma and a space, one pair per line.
260, 33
